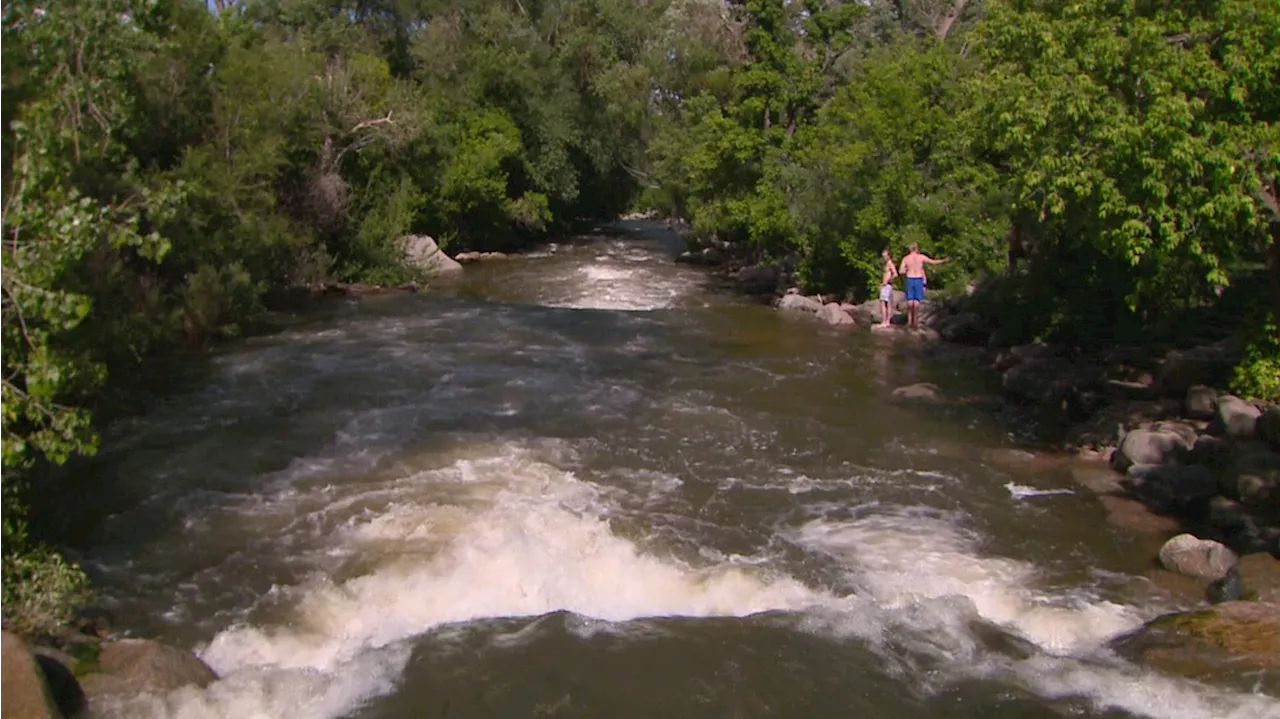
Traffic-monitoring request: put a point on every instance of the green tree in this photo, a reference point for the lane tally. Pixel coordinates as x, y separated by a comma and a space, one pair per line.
1139, 139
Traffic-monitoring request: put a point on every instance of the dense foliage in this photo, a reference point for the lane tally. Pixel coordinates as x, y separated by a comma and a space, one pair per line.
1095, 168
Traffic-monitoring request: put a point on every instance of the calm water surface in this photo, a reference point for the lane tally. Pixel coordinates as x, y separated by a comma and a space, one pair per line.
588, 483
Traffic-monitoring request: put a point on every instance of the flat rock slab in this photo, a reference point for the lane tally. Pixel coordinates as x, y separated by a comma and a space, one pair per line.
1233, 635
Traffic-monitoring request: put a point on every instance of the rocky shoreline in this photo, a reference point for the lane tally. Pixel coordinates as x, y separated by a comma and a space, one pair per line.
1164, 450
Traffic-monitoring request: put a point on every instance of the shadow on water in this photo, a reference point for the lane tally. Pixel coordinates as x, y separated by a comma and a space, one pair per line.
747, 668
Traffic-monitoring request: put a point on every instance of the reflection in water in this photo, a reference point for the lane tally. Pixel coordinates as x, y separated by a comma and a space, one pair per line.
512, 499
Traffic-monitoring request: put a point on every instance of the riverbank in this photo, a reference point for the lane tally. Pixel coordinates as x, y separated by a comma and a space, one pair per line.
1148, 429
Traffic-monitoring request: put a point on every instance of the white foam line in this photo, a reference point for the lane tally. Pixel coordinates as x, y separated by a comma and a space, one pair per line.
1019, 491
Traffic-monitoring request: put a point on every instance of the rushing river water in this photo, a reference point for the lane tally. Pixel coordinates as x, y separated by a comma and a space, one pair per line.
588, 483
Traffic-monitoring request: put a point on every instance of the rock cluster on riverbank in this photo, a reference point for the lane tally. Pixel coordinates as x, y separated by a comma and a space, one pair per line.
84, 676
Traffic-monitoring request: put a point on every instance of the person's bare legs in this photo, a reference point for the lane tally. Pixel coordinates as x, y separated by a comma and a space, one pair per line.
913, 309
884, 314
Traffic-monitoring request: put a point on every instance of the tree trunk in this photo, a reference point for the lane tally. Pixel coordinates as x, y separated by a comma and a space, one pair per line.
950, 18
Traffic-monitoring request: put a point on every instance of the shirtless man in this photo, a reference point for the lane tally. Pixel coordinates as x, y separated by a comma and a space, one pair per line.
913, 267
886, 287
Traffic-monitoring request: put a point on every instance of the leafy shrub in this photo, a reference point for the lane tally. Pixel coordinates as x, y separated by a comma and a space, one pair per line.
1258, 374
41, 590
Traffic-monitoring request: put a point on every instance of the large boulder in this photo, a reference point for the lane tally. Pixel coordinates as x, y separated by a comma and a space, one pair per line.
1236, 635
1145, 446
138, 666
798, 303
422, 252
1206, 365
1188, 554
1235, 418
833, 314
22, 683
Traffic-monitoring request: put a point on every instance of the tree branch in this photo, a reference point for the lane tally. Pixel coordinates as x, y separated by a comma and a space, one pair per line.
950, 18
371, 123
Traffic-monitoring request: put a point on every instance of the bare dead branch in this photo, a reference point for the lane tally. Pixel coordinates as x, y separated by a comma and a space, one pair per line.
370, 123
950, 18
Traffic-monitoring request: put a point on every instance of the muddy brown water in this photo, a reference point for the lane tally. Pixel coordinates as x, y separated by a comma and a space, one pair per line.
590, 483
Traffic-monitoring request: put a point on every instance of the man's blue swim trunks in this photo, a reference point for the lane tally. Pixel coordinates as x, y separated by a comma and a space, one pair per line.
915, 289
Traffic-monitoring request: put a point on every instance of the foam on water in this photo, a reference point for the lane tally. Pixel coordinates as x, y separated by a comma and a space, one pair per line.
530, 540
624, 283
1020, 491
921, 581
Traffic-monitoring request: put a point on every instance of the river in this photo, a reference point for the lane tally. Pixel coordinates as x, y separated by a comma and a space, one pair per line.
591, 483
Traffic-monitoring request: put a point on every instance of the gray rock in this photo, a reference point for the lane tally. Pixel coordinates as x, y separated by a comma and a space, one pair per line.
421, 251
1144, 446
1236, 418
1195, 557
22, 683
1268, 426
1202, 402
833, 314
922, 392
798, 303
